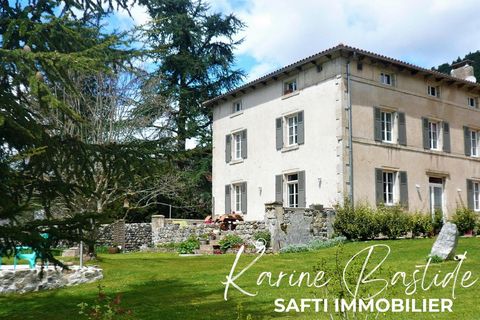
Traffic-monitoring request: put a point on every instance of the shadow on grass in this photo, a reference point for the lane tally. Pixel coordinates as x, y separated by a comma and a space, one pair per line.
157, 299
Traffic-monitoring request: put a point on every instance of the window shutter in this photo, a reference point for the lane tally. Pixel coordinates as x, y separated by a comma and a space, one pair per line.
403, 189
379, 185
302, 203
402, 129
233, 108
301, 128
279, 188
377, 124
467, 141
244, 197
394, 79
426, 138
244, 144
470, 194
228, 148
279, 133
228, 200
446, 137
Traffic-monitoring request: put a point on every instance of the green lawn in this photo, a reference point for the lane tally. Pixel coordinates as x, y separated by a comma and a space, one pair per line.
166, 286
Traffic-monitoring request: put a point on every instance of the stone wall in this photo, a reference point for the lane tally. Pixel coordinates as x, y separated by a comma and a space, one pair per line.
176, 233
297, 225
286, 225
136, 235
25, 280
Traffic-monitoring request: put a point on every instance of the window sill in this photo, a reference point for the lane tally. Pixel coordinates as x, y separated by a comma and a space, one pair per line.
233, 162
291, 94
236, 114
290, 148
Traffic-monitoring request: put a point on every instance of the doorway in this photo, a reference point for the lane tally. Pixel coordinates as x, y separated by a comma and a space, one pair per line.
437, 198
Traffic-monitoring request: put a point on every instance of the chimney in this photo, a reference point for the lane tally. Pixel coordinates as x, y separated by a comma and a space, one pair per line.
463, 70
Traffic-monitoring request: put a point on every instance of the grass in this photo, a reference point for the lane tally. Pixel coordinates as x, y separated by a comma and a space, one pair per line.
166, 286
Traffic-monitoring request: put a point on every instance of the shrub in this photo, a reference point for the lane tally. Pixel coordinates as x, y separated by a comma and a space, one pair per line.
421, 224
265, 235
313, 245
437, 221
394, 221
189, 246
230, 241
356, 223
465, 219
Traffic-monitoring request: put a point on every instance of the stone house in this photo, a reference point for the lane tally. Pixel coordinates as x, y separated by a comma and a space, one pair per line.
348, 123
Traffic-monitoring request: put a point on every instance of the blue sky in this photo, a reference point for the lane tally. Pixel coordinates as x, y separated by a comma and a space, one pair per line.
279, 32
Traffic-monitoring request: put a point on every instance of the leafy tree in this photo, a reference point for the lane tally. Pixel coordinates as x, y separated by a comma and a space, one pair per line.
42, 44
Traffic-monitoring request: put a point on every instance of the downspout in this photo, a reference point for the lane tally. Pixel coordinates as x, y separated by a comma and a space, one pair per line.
350, 134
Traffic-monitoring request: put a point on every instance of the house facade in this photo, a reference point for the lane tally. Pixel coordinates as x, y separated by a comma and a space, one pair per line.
348, 123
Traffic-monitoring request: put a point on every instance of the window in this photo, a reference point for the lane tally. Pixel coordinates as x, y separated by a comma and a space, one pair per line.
434, 91
474, 143
292, 130
237, 146
292, 190
387, 125
289, 86
386, 78
388, 187
238, 198
434, 135
237, 106
472, 102
476, 196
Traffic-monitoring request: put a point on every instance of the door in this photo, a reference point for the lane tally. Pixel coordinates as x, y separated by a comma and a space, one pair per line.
436, 198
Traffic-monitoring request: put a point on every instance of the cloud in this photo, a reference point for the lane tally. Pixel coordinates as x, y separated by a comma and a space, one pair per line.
423, 33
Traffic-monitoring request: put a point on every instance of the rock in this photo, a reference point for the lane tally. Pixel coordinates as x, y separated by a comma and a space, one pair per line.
446, 243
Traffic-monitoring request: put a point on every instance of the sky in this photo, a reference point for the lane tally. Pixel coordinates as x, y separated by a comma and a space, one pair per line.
279, 32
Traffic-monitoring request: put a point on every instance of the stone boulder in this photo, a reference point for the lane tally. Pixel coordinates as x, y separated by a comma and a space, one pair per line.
446, 243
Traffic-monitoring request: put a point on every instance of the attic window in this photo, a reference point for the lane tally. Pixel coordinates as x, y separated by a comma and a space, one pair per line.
289, 86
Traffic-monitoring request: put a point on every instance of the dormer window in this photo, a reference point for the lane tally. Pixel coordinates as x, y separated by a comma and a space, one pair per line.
290, 86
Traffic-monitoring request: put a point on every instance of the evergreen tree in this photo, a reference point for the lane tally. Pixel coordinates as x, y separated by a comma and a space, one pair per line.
42, 44
193, 49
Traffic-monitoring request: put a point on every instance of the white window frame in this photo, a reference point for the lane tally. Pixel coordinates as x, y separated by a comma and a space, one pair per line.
389, 186
237, 106
291, 122
433, 91
434, 134
476, 196
472, 102
387, 130
290, 86
474, 143
386, 78
237, 146
237, 198
292, 190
